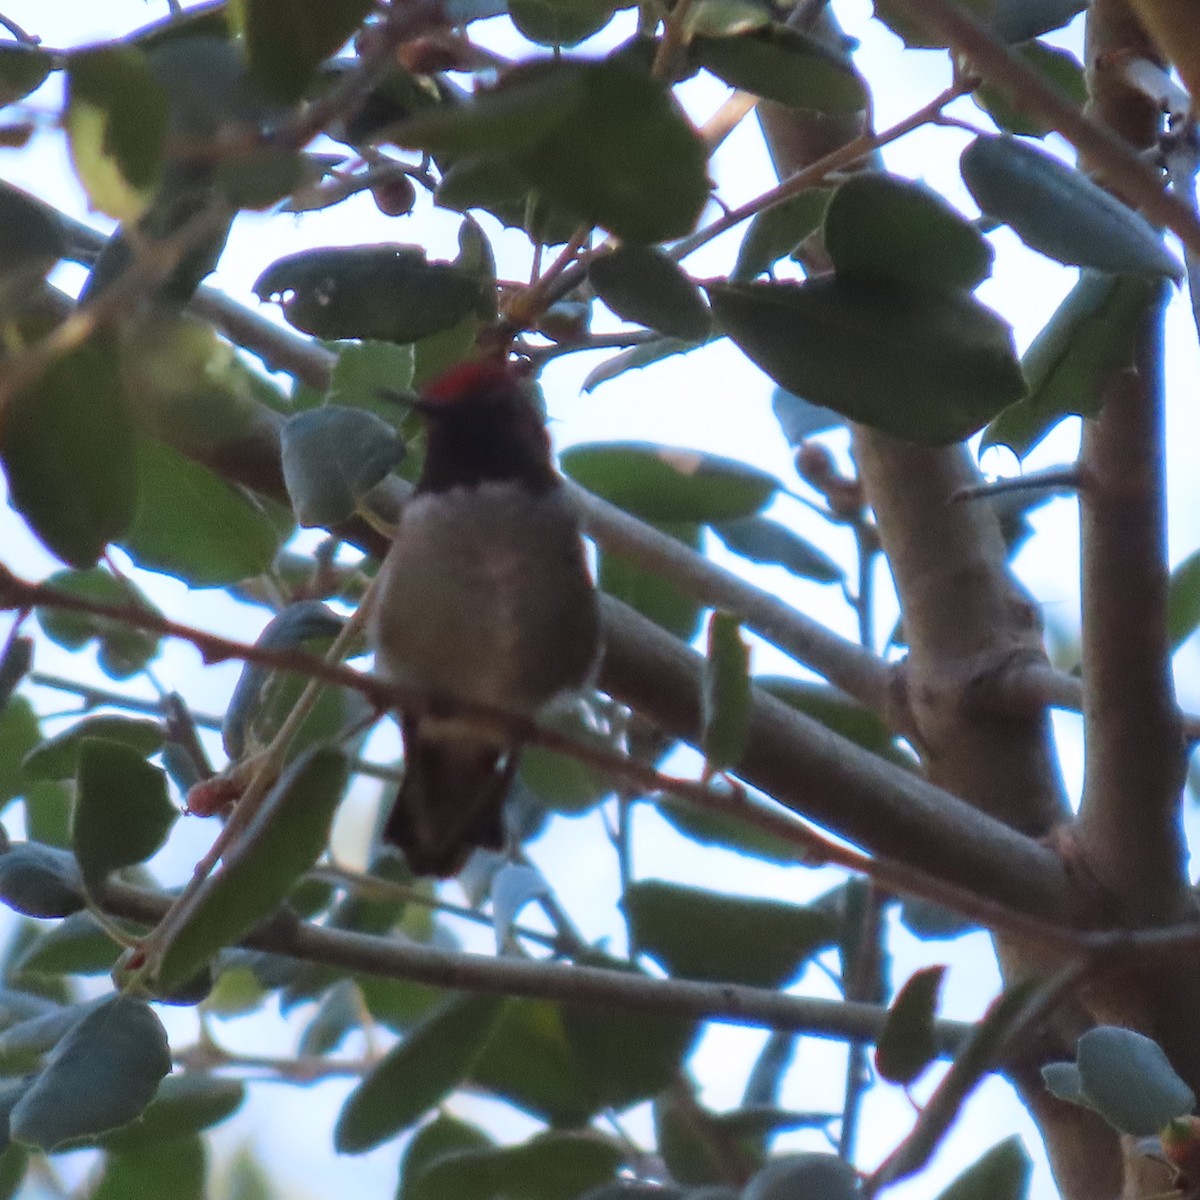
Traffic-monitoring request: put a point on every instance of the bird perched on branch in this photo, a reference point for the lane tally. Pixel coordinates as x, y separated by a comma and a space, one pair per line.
485, 597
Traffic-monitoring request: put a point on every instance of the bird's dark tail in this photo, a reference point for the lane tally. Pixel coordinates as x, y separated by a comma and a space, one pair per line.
450, 803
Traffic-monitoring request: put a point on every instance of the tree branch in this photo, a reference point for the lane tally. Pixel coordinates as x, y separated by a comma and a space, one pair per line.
397, 958
1104, 150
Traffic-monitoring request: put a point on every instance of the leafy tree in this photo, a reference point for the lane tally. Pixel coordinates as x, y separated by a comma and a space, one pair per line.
147, 414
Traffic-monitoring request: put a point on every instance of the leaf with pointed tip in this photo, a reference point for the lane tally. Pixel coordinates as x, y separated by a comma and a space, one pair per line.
332, 458
1057, 209
762, 540
68, 449
642, 284
907, 1044
285, 838
881, 226
102, 1074
777, 231
116, 121
801, 419
1002, 1173
782, 64
23, 69
1087, 342
286, 40
418, 1073
635, 358
699, 934
122, 813
931, 367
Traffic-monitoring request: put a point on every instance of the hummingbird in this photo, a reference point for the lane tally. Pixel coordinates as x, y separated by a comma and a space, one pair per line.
485, 596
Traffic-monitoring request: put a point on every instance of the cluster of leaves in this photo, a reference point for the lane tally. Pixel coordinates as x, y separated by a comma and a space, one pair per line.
155, 435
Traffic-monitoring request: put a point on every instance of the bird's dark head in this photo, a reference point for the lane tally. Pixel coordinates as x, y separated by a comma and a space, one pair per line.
482, 427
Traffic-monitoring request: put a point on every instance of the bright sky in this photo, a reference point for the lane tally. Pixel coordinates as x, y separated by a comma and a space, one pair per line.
712, 399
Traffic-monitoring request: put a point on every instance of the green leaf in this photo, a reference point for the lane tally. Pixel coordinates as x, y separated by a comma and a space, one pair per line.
724, 18
285, 838
644, 285
122, 813
23, 69
75, 946
728, 833
32, 237
183, 1105
1010, 20
442, 1136
1062, 1079
837, 711
418, 1073
646, 592
386, 292
807, 1176
560, 22
116, 121
177, 1169
1183, 600
102, 1074
191, 524
1089, 340
20, 734
123, 650
67, 446
725, 695
701, 934
883, 227
263, 698
530, 1063
1057, 209
364, 370
762, 540
286, 40
58, 757
908, 1044
1002, 1173
777, 231
801, 419
561, 781
1128, 1079
931, 367
40, 882
636, 357
1059, 68
552, 1166
668, 483
644, 177
785, 65
340, 1011
332, 458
